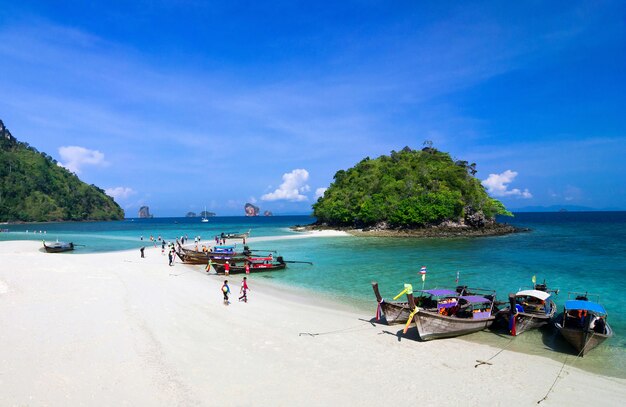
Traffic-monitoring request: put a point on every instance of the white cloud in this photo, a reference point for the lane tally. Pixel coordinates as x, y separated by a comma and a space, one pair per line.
320, 192
496, 185
119, 192
74, 157
294, 183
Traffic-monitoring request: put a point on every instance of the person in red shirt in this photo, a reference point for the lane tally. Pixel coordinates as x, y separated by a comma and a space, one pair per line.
244, 289
227, 268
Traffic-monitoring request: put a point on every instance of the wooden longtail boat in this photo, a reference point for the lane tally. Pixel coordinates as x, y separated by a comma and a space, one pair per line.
235, 235
528, 309
219, 254
394, 312
256, 265
58, 247
397, 312
583, 324
445, 313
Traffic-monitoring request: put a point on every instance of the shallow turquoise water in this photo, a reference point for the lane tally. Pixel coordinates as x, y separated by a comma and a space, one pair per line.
572, 251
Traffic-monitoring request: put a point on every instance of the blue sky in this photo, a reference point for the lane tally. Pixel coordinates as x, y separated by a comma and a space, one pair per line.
182, 104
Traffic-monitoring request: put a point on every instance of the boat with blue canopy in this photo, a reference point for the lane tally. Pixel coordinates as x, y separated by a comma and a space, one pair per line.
583, 323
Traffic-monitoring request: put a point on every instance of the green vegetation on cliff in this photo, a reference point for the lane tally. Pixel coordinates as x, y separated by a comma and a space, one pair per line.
34, 188
409, 188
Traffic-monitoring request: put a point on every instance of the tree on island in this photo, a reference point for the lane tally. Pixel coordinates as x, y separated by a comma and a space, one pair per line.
34, 188
408, 189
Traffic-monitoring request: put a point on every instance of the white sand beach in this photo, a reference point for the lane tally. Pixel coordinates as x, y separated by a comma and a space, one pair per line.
115, 329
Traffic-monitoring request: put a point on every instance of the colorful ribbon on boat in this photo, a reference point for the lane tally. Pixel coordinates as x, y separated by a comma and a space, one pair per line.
408, 289
408, 322
379, 309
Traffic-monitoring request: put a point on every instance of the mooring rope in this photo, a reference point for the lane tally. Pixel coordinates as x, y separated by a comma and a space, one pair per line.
562, 367
334, 332
486, 362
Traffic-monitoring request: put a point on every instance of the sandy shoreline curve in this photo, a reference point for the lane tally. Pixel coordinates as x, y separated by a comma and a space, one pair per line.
115, 329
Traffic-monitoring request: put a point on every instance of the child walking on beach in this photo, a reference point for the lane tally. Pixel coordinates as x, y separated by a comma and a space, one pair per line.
225, 291
244, 289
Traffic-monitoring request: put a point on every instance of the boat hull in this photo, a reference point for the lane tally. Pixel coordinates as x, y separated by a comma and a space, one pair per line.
581, 339
528, 320
431, 325
58, 248
396, 312
220, 269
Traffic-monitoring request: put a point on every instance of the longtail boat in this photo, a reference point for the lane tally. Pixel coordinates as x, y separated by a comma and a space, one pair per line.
397, 312
235, 235
528, 309
58, 247
583, 324
255, 265
219, 254
445, 313
394, 312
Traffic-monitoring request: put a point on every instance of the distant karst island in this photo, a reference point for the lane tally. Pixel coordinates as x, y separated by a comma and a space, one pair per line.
144, 213
253, 210
410, 193
35, 188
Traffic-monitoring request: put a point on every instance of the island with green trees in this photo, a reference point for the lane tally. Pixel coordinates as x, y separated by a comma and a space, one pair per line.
410, 192
34, 188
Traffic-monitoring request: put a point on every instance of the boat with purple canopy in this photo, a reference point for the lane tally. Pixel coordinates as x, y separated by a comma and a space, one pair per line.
442, 313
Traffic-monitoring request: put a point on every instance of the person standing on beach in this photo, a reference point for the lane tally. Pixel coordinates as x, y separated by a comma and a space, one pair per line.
170, 257
247, 267
141, 250
225, 291
244, 289
227, 268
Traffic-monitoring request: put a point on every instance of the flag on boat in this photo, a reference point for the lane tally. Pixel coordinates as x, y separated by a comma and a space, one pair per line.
534, 279
423, 273
457, 277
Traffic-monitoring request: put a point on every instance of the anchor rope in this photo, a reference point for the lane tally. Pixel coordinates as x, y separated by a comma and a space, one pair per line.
562, 367
484, 362
333, 332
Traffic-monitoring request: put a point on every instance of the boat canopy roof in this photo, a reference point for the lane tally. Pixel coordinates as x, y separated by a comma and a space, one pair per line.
542, 295
439, 292
585, 306
224, 247
474, 299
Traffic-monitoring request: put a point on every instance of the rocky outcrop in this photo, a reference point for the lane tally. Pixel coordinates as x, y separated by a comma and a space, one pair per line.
251, 210
144, 212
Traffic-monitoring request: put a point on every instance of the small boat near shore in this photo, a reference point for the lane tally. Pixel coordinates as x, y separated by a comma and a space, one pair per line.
528, 309
583, 324
394, 312
235, 235
219, 254
255, 265
442, 313
58, 247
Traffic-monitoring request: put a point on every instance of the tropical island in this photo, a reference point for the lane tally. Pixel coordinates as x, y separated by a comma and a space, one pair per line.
410, 193
34, 188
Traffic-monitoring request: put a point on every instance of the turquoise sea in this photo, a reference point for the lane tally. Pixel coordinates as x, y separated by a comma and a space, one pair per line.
572, 251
